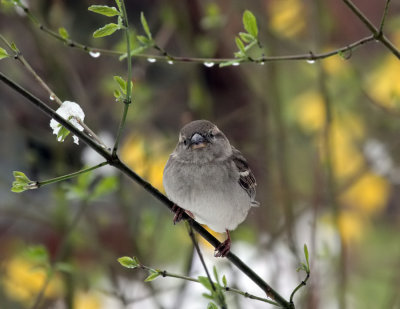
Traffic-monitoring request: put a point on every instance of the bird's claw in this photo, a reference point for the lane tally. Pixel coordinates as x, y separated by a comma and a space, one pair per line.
223, 249
178, 213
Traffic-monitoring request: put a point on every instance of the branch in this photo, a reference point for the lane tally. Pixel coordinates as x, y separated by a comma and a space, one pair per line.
166, 57
117, 163
302, 283
165, 273
378, 34
18, 56
196, 246
384, 15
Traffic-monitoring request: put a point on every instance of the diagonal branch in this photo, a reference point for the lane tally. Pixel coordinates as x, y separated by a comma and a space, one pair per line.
117, 163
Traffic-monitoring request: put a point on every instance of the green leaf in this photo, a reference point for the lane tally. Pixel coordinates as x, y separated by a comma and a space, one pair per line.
240, 45
106, 30
109, 11
224, 281
153, 275
14, 47
307, 256
227, 63
22, 183
63, 133
212, 306
121, 82
142, 39
208, 296
37, 253
247, 38
134, 52
105, 186
302, 267
64, 267
128, 262
63, 32
117, 94
216, 274
250, 23
145, 25
118, 2
21, 177
205, 282
3, 53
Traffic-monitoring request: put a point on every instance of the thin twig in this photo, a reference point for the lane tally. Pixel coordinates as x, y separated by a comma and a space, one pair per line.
168, 57
384, 16
302, 283
196, 246
165, 273
378, 35
71, 175
114, 161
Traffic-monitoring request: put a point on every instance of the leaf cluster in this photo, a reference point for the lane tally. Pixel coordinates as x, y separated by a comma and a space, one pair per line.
245, 40
215, 290
22, 183
133, 262
108, 11
120, 93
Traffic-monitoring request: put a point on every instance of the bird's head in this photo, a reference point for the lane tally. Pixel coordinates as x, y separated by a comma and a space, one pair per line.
201, 141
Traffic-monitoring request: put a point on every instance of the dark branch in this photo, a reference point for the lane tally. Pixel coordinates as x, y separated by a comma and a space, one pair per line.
117, 163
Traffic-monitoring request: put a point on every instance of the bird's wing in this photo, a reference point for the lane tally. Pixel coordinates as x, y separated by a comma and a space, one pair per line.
246, 180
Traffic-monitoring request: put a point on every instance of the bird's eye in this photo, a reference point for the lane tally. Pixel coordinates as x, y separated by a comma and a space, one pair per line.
211, 134
185, 142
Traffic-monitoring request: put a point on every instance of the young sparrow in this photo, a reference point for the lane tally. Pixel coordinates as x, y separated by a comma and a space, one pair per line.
210, 180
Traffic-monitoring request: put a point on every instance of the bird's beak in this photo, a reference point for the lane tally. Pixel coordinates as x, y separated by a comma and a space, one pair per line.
198, 141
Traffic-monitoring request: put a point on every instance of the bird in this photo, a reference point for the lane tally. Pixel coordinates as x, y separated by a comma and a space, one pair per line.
210, 180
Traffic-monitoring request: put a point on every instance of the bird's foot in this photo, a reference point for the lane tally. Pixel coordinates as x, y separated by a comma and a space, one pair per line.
224, 248
178, 213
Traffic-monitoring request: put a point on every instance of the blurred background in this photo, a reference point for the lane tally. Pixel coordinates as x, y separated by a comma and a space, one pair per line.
322, 139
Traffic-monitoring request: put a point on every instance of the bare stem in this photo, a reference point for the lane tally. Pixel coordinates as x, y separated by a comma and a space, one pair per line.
302, 283
384, 16
165, 273
196, 245
65, 177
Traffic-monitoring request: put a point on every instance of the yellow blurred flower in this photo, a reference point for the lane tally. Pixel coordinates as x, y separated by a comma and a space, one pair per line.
343, 135
384, 85
205, 244
334, 65
347, 158
86, 301
369, 194
287, 17
155, 173
351, 226
133, 154
310, 111
145, 159
23, 280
